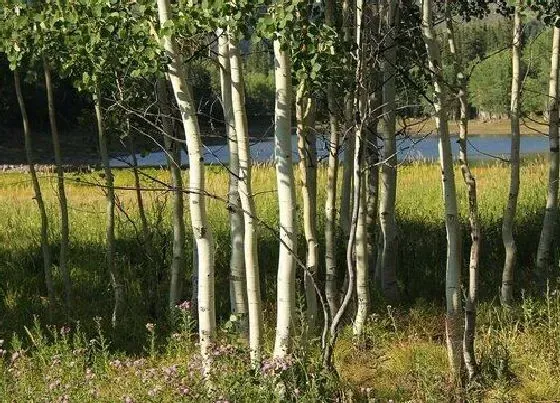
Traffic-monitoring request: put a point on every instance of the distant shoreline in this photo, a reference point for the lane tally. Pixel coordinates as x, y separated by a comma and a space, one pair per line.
477, 127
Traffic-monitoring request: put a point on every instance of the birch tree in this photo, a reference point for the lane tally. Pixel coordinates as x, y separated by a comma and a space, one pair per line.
237, 287
544, 251
285, 301
199, 220
453, 318
511, 205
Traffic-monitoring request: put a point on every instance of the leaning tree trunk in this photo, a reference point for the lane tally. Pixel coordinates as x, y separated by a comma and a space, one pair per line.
64, 225
331, 292
307, 150
285, 302
199, 220
45, 247
544, 251
178, 223
247, 203
116, 278
474, 219
388, 178
453, 318
511, 207
237, 282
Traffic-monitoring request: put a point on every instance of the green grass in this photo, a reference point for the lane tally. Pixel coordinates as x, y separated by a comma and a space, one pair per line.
402, 356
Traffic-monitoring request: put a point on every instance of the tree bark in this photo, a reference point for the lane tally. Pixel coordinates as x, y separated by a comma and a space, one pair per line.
116, 278
247, 203
331, 292
199, 220
307, 150
45, 247
63, 204
285, 304
237, 283
511, 207
544, 251
177, 219
474, 219
453, 319
388, 177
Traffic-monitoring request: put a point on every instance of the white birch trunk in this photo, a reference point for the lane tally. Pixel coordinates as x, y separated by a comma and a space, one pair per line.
331, 292
388, 178
544, 251
247, 203
453, 319
237, 283
45, 247
307, 151
285, 183
200, 226
177, 219
63, 204
511, 206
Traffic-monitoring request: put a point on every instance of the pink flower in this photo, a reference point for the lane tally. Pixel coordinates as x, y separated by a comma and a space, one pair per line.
150, 327
184, 306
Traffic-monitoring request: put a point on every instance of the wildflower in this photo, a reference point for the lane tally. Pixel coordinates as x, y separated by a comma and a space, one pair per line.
15, 356
2, 353
55, 384
183, 391
184, 306
128, 399
89, 374
150, 327
65, 330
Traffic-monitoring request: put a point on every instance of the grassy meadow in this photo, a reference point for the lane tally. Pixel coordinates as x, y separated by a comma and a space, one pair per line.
77, 356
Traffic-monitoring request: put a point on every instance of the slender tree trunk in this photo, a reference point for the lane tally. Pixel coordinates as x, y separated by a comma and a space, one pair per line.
308, 170
116, 279
388, 178
201, 229
237, 283
247, 203
138, 189
64, 225
511, 207
474, 219
453, 319
285, 183
178, 223
544, 251
331, 292
45, 247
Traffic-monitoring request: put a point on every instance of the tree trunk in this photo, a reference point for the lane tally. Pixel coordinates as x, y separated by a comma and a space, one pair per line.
247, 203
453, 319
64, 225
237, 283
116, 279
138, 189
511, 207
201, 229
45, 247
308, 170
331, 292
544, 252
285, 304
474, 219
178, 223
388, 178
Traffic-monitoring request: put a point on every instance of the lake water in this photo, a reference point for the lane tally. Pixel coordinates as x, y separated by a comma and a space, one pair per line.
262, 151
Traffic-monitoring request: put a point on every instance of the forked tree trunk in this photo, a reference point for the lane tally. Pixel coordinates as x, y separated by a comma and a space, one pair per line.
453, 318
285, 302
201, 229
116, 278
64, 225
237, 282
247, 203
511, 206
474, 219
388, 178
306, 137
178, 223
544, 251
45, 247
331, 291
